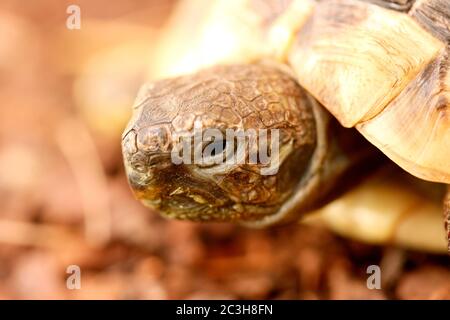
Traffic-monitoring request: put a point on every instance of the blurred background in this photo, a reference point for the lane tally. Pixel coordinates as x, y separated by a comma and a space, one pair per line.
66, 96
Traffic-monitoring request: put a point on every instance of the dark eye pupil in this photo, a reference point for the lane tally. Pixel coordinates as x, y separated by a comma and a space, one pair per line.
218, 147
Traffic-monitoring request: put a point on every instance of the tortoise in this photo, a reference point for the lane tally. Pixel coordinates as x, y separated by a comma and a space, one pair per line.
337, 84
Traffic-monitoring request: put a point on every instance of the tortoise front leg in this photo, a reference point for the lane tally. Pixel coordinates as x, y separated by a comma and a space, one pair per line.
390, 207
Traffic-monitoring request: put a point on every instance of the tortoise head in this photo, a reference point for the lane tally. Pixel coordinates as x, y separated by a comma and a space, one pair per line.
228, 143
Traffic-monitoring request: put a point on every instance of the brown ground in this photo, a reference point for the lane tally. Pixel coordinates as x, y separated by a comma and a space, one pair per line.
65, 201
